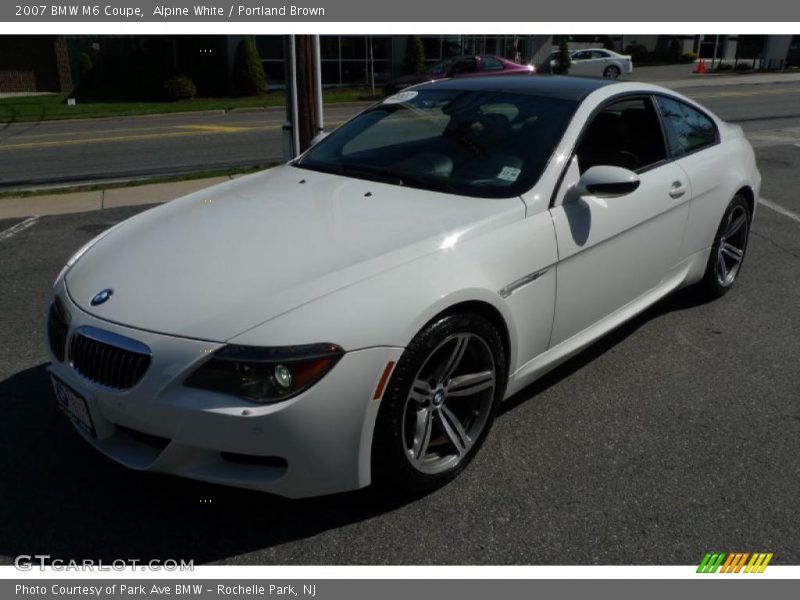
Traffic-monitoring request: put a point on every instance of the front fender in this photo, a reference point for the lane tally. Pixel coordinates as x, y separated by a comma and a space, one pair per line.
391, 308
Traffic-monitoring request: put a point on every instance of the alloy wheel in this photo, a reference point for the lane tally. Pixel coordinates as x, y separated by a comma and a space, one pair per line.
449, 403
731, 246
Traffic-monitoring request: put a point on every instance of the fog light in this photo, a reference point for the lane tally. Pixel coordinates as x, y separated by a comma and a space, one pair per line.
283, 376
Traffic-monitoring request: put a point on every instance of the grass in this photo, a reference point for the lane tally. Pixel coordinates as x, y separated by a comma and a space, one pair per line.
21, 109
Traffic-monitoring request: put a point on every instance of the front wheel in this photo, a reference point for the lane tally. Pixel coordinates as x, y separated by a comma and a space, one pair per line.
728, 250
440, 403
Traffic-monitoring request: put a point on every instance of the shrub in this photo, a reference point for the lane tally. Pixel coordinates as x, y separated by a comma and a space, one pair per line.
637, 52
248, 73
689, 57
85, 65
724, 67
563, 61
414, 61
743, 66
179, 87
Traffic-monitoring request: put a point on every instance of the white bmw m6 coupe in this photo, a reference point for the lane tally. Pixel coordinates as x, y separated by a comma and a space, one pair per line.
358, 314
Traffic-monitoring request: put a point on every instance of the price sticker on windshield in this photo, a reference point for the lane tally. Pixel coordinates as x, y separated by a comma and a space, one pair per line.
509, 174
401, 97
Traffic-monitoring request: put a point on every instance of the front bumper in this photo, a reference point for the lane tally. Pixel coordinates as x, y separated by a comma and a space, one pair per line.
313, 444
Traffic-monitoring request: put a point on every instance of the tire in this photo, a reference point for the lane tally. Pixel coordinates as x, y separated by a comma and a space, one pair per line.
728, 250
611, 72
439, 404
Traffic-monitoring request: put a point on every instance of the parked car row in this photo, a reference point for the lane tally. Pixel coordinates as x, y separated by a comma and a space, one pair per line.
472, 65
591, 62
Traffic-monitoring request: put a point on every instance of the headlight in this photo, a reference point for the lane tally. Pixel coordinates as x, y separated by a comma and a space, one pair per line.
265, 375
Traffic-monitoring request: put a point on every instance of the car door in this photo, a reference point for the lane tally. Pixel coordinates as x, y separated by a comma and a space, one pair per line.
465, 67
598, 63
489, 65
580, 63
613, 250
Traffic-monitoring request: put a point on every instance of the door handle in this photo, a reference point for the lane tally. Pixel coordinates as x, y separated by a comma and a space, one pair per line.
678, 189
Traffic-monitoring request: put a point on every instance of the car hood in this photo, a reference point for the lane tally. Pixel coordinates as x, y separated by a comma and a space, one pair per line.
221, 261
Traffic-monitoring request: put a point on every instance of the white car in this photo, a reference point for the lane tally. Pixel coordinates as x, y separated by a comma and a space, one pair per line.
598, 62
358, 314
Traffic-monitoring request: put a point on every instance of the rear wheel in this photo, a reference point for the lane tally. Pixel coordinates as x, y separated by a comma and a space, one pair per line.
440, 403
611, 72
728, 250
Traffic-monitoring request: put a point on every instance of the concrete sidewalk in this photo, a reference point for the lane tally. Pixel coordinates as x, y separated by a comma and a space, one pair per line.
714, 80
15, 207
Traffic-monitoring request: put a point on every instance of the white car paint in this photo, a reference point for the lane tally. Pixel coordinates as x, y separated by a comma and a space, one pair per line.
266, 260
599, 62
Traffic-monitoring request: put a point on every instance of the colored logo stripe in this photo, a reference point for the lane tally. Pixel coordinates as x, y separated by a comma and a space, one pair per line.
734, 561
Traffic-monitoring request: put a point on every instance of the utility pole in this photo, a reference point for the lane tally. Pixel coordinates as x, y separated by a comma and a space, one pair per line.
303, 94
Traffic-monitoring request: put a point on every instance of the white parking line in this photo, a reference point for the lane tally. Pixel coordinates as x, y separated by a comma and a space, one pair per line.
779, 209
21, 226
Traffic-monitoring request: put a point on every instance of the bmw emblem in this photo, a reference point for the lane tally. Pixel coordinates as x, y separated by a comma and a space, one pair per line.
102, 297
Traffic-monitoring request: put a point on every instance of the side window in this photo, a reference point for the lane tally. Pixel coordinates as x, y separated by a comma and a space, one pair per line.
599, 54
626, 133
581, 55
687, 129
490, 64
468, 65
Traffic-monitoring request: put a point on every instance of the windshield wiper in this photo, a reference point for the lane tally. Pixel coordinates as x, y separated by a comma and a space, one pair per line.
372, 173
404, 179
381, 174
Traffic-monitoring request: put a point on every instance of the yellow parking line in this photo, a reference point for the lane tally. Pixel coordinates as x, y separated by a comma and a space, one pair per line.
184, 131
131, 138
215, 128
120, 130
26, 136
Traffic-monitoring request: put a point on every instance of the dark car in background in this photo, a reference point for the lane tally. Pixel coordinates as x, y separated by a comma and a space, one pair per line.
469, 65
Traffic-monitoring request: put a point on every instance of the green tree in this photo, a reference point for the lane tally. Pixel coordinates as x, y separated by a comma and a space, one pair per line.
563, 61
415, 55
249, 78
674, 51
85, 65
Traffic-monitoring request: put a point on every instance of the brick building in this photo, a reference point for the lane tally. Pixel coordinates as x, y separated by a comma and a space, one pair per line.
34, 63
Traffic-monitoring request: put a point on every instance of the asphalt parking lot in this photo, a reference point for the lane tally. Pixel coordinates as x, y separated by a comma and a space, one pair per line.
676, 434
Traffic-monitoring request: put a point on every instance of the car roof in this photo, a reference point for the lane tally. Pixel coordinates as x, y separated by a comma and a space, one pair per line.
460, 56
551, 86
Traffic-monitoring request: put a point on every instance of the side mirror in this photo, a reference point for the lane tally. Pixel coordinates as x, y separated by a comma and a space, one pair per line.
607, 181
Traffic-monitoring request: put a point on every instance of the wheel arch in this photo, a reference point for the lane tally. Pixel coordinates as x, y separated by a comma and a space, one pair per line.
749, 195
487, 311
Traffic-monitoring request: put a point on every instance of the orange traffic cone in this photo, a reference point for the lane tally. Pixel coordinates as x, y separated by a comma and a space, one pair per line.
701, 66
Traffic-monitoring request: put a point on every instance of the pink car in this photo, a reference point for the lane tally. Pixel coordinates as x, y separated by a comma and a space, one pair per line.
472, 65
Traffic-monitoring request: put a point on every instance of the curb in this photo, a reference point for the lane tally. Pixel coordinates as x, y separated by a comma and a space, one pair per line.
65, 202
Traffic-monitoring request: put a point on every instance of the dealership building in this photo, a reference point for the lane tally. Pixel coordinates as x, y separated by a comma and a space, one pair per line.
53, 63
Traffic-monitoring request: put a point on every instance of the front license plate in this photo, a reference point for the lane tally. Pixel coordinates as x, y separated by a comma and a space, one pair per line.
72, 403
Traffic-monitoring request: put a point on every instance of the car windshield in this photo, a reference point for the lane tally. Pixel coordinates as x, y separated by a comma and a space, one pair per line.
442, 66
489, 144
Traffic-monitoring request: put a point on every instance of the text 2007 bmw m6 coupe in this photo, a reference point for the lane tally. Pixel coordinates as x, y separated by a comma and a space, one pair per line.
358, 314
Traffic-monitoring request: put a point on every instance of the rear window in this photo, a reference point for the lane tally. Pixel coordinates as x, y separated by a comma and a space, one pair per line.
688, 129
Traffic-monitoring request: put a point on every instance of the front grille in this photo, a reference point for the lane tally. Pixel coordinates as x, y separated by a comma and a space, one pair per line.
57, 327
108, 359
